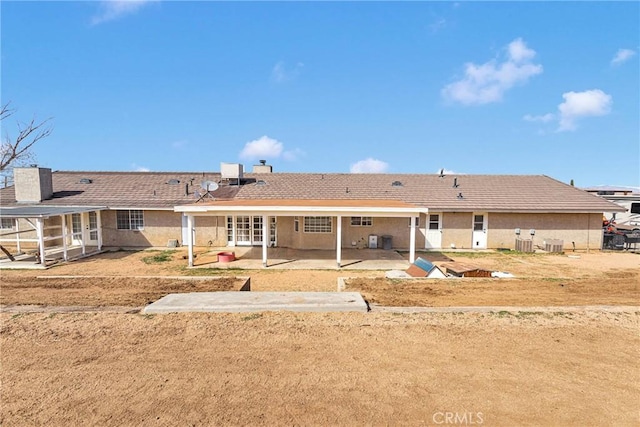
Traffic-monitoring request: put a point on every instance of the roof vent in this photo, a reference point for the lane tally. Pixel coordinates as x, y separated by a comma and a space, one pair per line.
396, 184
261, 182
460, 197
173, 181
86, 181
455, 183
441, 175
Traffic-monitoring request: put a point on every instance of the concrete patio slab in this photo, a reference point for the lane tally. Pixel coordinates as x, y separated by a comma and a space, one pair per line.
239, 302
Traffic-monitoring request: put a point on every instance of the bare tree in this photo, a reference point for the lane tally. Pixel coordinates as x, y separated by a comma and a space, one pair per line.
14, 152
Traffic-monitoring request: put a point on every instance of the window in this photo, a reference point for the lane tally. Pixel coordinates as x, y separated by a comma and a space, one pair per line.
6, 223
361, 221
93, 226
230, 229
478, 222
635, 208
417, 222
317, 224
76, 225
434, 222
130, 220
296, 223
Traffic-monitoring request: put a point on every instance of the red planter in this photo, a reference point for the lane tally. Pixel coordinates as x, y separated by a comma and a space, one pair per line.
226, 256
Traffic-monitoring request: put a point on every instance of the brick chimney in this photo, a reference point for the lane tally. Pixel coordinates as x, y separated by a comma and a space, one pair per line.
32, 184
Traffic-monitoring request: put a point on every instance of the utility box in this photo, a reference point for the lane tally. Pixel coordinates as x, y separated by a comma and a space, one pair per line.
386, 242
373, 241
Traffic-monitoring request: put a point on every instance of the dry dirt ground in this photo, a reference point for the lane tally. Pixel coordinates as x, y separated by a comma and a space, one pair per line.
555, 367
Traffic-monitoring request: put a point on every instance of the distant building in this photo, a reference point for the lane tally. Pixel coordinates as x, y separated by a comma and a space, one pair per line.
626, 197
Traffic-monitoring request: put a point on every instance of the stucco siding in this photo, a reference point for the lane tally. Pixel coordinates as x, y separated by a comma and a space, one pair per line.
210, 231
457, 230
585, 230
159, 228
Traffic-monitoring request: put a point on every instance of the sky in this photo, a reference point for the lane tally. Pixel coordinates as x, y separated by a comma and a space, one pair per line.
547, 88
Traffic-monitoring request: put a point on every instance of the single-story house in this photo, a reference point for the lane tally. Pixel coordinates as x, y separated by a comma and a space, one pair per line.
296, 210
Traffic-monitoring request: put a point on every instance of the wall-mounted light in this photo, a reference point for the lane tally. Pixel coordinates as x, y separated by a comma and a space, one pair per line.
532, 231
517, 231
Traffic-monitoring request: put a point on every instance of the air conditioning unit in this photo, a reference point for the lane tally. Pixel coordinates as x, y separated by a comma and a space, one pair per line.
553, 245
231, 170
524, 245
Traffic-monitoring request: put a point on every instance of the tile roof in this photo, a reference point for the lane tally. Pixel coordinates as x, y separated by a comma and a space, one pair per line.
153, 190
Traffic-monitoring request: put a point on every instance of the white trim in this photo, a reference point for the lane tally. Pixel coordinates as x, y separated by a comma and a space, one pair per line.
190, 238
412, 240
265, 239
339, 240
303, 210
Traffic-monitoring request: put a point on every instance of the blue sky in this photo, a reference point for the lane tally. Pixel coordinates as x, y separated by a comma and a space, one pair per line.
401, 87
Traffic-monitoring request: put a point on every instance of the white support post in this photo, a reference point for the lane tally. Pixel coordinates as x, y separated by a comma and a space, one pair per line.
412, 241
339, 240
265, 238
65, 253
99, 225
190, 238
234, 233
17, 225
84, 231
40, 231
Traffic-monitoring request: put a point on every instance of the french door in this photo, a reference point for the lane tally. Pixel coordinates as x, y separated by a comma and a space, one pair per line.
247, 230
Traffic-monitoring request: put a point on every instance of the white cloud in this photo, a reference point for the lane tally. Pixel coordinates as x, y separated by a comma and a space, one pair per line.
622, 56
486, 83
138, 168
369, 165
114, 9
545, 118
577, 105
263, 147
280, 74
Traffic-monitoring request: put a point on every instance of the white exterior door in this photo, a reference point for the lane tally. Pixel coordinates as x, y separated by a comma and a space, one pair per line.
479, 231
434, 231
76, 229
90, 220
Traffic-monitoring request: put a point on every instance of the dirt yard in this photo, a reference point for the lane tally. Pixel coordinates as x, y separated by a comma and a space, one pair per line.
379, 368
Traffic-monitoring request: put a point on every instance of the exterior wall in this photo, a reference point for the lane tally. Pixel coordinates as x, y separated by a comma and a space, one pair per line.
159, 228
457, 229
352, 236
585, 230
289, 238
397, 228
210, 231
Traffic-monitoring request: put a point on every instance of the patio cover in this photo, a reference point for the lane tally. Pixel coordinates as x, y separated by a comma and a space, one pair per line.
304, 207
44, 211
